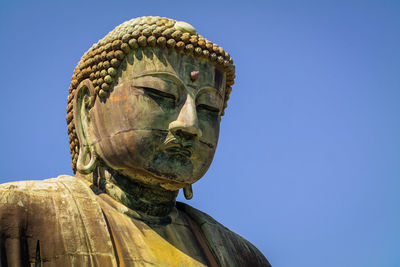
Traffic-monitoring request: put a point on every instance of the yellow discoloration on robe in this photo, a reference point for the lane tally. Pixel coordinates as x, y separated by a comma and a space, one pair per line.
152, 245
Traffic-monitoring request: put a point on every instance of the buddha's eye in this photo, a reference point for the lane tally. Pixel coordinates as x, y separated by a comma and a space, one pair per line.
159, 94
207, 108
208, 102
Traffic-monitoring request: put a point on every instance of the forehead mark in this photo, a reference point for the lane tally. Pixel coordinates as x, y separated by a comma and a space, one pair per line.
194, 75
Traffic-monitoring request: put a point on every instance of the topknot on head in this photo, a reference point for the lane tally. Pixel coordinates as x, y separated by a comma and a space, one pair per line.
185, 27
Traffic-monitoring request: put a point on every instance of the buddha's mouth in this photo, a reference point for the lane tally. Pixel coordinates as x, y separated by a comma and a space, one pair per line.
178, 149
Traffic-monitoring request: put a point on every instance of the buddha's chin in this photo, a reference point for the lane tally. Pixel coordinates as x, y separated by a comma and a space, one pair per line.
178, 182
173, 181
172, 168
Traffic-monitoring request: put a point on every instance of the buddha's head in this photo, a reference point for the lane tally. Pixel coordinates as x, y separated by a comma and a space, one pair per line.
146, 101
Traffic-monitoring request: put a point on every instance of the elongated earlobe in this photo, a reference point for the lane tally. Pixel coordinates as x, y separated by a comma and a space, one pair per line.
188, 192
84, 152
83, 101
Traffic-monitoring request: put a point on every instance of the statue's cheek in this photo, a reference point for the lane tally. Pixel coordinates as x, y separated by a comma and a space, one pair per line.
132, 149
210, 128
143, 112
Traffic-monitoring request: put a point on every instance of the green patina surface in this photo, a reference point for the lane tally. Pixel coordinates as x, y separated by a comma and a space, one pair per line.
144, 113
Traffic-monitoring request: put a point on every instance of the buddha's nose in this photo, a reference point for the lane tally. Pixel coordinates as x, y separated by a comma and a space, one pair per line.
186, 126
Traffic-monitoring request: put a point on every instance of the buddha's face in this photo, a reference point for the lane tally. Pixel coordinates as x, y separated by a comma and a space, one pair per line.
160, 123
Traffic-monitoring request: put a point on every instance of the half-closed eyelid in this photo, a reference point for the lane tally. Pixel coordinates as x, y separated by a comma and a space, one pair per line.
208, 108
210, 98
158, 92
157, 84
211, 90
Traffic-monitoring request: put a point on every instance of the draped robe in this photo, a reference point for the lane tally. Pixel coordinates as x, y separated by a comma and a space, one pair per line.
62, 222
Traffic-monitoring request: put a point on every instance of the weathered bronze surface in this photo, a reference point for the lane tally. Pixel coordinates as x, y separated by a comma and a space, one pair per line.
143, 118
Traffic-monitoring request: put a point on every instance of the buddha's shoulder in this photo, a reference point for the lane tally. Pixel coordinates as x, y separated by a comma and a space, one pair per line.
23, 193
230, 248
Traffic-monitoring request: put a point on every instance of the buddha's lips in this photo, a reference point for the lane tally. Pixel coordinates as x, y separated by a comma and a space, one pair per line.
176, 148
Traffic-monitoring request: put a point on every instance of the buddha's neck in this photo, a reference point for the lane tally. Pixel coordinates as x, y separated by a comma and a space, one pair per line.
147, 200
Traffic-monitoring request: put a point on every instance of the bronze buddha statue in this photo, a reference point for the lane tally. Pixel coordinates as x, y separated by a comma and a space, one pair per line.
143, 115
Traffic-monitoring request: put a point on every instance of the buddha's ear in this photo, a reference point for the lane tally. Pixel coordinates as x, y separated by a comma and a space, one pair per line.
82, 103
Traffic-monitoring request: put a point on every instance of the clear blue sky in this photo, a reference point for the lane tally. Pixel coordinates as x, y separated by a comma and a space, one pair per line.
307, 167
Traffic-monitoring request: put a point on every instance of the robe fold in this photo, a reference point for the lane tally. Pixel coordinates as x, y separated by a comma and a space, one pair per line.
62, 222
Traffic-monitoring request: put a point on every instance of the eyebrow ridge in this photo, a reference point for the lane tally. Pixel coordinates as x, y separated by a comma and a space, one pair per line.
160, 73
172, 75
210, 89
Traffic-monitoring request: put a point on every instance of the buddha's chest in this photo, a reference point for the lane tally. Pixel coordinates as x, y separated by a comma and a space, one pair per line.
139, 244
